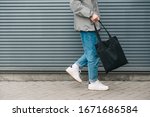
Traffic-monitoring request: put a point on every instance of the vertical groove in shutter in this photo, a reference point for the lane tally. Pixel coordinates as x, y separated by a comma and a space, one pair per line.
38, 35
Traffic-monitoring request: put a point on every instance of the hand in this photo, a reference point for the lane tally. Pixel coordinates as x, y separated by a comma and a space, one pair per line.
94, 18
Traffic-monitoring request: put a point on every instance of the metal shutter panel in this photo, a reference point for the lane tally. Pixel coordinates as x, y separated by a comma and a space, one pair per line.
130, 21
38, 35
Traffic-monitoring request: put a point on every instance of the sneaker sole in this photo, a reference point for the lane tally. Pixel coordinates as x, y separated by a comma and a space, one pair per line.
98, 89
73, 76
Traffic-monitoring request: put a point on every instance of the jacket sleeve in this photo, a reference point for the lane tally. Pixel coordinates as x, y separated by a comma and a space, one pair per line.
79, 9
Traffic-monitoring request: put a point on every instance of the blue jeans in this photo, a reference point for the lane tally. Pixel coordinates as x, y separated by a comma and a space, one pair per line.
90, 57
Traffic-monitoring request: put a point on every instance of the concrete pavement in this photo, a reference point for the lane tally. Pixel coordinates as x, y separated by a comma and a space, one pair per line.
71, 90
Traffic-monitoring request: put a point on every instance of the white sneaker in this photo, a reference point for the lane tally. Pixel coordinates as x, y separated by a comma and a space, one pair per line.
74, 71
97, 86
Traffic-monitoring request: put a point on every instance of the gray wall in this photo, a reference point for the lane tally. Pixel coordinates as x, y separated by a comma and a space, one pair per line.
38, 35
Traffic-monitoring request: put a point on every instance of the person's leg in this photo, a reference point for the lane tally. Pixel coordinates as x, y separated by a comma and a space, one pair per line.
75, 69
82, 61
89, 40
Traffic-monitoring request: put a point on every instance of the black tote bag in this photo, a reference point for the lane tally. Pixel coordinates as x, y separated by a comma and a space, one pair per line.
110, 52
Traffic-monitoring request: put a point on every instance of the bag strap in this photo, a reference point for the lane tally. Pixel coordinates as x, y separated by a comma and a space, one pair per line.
97, 33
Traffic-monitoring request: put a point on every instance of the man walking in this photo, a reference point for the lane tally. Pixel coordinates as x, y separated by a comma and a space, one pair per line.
86, 13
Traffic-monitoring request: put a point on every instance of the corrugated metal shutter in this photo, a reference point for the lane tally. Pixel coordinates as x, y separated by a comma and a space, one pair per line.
130, 21
38, 35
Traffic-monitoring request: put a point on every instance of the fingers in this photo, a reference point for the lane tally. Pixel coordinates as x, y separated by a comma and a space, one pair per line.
95, 18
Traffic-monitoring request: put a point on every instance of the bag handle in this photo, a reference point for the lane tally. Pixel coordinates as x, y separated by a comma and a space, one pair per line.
97, 33
98, 36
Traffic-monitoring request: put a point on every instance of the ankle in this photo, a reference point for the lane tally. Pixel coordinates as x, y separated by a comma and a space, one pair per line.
92, 82
75, 65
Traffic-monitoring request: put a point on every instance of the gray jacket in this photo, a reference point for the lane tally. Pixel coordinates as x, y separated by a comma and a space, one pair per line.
83, 10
